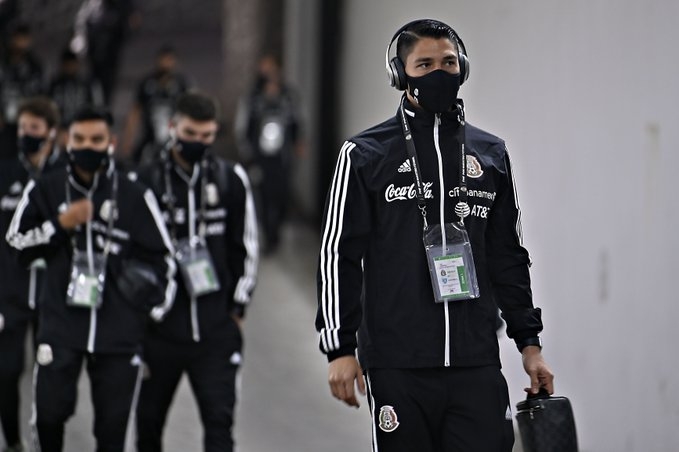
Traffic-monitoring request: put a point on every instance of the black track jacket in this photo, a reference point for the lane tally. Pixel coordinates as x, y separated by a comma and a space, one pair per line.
138, 232
373, 276
231, 237
19, 284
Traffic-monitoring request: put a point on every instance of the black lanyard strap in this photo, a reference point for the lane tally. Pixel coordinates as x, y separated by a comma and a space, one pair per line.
461, 208
113, 212
171, 200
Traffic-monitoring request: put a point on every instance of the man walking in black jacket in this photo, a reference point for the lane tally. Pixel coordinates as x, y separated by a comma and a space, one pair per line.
102, 236
38, 119
210, 214
421, 243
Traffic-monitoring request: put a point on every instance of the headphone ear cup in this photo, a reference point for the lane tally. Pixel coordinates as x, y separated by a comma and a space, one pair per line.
397, 77
464, 68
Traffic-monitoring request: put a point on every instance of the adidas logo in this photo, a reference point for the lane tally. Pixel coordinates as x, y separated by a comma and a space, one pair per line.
405, 167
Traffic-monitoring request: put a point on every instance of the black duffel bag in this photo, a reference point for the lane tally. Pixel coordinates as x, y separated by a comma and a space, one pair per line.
546, 424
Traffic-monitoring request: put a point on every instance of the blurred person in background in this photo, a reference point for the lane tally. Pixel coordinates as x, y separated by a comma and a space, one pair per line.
100, 32
421, 243
268, 131
38, 119
21, 76
9, 11
109, 267
152, 111
72, 90
210, 214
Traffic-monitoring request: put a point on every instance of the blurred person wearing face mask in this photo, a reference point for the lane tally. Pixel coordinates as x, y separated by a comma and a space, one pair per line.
108, 268
269, 135
21, 76
38, 119
147, 124
210, 215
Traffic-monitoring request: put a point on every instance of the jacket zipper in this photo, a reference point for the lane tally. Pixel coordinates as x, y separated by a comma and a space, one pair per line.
446, 310
90, 260
32, 288
192, 233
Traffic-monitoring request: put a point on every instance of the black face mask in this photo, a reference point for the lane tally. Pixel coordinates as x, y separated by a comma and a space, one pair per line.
191, 151
88, 159
436, 91
30, 144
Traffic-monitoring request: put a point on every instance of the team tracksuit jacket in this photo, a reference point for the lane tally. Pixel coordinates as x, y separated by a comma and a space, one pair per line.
373, 276
231, 237
119, 324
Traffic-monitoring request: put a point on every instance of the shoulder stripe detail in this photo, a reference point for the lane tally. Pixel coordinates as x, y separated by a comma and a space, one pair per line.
34, 237
158, 312
246, 283
329, 259
519, 228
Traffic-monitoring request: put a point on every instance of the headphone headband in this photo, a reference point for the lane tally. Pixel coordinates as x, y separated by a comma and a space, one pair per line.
396, 75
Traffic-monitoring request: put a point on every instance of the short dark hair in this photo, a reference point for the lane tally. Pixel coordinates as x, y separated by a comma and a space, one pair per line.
92, 113
426, 28
166, 49
197, 106
42, 107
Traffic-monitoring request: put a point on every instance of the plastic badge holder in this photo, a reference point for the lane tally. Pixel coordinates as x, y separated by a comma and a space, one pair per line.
197, 268
453, 274
86, 287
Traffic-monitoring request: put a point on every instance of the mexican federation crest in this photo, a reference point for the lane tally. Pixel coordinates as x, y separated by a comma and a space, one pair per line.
474, 169
388, 419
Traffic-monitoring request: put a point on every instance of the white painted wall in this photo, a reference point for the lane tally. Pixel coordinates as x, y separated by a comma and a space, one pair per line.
585, 93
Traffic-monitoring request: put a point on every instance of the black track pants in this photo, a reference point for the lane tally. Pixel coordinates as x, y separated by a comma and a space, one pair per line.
12, 351
211, 367
114, 381
440, 410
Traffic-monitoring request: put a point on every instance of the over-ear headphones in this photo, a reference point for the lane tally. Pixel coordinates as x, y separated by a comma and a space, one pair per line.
396, 71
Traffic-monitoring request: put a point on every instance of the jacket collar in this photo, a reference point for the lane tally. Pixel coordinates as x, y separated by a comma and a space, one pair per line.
419, 118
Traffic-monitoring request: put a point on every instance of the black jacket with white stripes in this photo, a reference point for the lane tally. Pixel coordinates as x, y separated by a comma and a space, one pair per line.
230, 236
138, 233
18, 297
373, 276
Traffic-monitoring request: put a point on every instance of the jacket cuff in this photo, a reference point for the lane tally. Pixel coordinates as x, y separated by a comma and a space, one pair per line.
238, 310
525, 342
345, 351
60, 234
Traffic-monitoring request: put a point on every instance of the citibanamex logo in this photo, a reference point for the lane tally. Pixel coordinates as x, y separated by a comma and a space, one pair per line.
393, 193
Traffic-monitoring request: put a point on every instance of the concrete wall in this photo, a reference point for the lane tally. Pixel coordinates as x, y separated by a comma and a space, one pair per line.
585, 94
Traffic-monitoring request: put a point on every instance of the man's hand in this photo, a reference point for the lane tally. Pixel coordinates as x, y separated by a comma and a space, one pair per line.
78, 212
342, 373
538, 371
239, 321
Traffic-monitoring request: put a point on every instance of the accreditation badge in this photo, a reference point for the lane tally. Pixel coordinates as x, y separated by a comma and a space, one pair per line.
86, 286
197, 269
451, 263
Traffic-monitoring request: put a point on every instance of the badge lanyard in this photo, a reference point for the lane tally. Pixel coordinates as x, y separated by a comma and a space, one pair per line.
202, 227
194, 258
88, 275
111, 218
461, 208
447, 245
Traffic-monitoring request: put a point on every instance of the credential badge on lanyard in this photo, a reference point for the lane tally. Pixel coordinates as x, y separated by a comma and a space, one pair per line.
192, 255
88, 269
447, 245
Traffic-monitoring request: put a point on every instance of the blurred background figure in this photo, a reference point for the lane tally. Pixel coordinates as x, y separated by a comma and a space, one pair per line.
153, 107
8, 12
268, 134
100, 32
21, 76
70, 89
